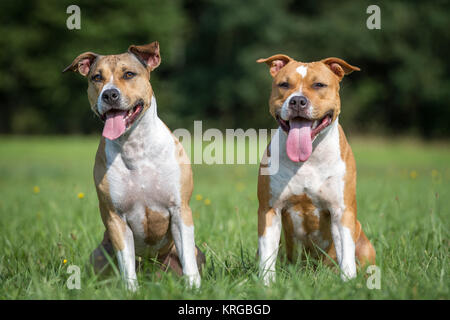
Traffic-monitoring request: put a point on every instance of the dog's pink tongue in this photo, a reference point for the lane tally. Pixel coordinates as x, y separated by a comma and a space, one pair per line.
114, 124
299, 145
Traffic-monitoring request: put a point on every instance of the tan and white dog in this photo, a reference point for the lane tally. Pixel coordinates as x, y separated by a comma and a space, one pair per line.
312, 195
142, 174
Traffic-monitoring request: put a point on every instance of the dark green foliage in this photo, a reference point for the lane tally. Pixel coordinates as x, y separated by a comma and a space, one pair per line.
208, 69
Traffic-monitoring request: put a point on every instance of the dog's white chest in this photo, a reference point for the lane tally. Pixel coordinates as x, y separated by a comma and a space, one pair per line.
146, 185
143, 171
324, 168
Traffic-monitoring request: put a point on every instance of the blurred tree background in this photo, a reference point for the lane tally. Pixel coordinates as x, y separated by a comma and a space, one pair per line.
208, 69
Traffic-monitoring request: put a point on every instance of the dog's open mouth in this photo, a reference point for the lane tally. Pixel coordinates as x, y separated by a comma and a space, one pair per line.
118, 121
301, 132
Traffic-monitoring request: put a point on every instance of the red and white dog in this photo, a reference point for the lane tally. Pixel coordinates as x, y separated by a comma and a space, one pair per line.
313, 192
142, 174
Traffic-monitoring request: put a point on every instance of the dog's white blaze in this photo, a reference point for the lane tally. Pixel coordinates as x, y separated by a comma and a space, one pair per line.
302, 70
107, 86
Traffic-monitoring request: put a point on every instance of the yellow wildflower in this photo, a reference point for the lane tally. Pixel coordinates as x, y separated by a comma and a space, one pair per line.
198, 197
207, 202
80, 195
413, 174
36, 189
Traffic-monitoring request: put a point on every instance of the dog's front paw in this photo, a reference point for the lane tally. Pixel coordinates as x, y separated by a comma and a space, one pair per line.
131, 285
348, 274
194, 280
268, 277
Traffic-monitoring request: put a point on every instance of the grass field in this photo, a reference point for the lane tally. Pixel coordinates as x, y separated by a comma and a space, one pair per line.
49, 220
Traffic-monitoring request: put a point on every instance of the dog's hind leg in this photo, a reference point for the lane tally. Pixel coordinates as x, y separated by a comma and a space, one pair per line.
365, 253
171, 261
99, 257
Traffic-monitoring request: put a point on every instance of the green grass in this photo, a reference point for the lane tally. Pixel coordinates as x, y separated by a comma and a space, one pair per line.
403, 201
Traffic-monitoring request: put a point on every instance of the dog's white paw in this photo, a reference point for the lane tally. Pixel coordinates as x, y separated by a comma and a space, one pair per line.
348, 274
269, 277
131, 285
194, 280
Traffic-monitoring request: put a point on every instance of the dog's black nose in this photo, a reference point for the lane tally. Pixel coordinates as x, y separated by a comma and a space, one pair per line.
298, 102
111, 96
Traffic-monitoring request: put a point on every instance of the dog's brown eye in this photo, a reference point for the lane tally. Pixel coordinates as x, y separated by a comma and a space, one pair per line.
97, 77
318, 85
283, 85
128, 75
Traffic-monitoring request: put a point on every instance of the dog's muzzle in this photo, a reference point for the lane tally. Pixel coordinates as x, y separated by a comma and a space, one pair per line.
111, 97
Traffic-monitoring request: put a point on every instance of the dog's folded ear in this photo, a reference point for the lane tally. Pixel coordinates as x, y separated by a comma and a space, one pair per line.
276, 62
340, 67
148, 54
82, 63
